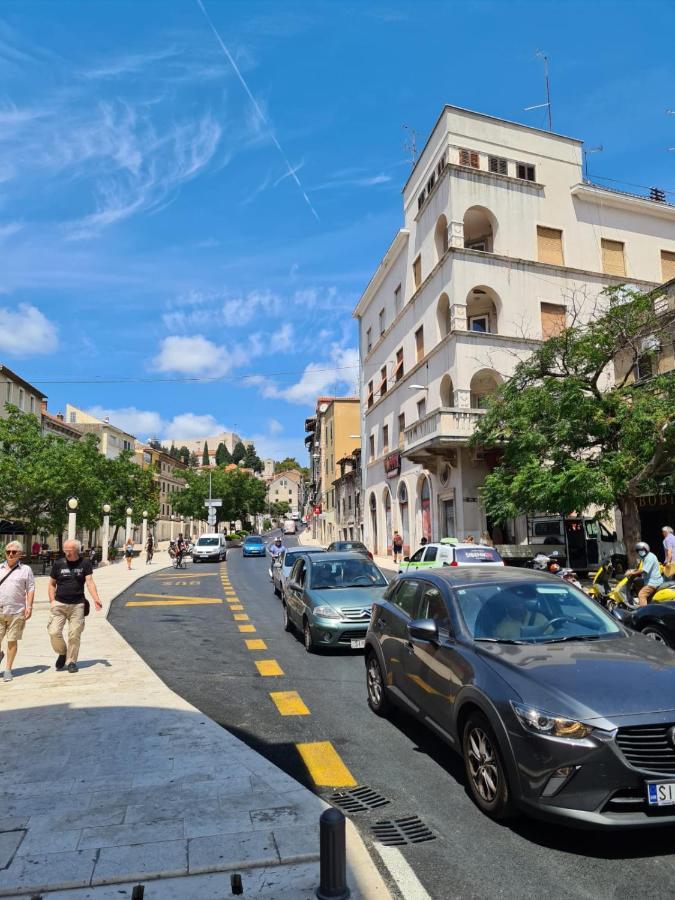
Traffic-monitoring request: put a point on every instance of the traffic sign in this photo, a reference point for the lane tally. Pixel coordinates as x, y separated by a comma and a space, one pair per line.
212, 502
211, 520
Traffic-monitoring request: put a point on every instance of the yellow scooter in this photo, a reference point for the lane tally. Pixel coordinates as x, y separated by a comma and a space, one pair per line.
624, 595
600, 587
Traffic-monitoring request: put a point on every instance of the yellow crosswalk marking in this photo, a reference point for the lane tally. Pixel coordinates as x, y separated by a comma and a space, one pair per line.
246, 629
236, 607
256, 644
186, 601
289, 703
241, 617
180, 597
325, 765
268, 667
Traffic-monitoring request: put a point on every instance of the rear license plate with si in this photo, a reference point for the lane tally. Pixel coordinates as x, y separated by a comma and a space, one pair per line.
661, 793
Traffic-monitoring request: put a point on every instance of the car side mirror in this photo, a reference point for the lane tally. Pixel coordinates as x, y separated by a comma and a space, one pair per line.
622, 615
406, 559
614, 537
293, 585
423, 630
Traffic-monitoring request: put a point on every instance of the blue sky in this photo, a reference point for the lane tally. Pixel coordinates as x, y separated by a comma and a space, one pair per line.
150, 227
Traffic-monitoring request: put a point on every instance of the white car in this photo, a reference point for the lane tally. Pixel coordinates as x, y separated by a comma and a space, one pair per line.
281, 568
450, 552
209, 546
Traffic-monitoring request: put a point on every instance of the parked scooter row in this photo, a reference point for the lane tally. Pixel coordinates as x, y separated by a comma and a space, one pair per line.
624, 593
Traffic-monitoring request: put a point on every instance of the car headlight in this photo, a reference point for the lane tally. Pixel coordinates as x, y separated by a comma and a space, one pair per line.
326, 612
536, 721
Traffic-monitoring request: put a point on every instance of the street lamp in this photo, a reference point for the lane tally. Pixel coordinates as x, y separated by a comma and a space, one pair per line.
173, 518
105, 541
72, 518
130, 512
144, 539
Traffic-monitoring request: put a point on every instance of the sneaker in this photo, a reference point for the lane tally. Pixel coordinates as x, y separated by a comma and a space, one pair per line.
60, 662
72, 667
7, 675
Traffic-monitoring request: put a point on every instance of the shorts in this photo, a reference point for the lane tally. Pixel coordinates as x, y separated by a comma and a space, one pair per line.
12, 626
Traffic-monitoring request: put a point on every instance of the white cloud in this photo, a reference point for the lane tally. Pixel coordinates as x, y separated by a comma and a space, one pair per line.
9, 229
189, 425
25, 331
215, 309
282, 339
274, 426
129, 64
139, 422
365, 181
337, 376
197, 356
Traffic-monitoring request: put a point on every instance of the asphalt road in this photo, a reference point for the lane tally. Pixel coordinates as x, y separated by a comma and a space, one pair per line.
200, 653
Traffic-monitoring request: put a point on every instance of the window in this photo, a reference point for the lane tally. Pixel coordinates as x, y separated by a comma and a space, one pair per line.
480, 324
417, 272
369, 340
667, 265
430, 183
383, 381
552, 319
549, 245
401, 425
370, 394
405, 597
469, 158
32, 403
421, 408
612, 257
73, 418
417, 555
20, 398
398, 371
525, 172
644, 367
420, 200
8, 395
498, 165
397, 300
419, 344
432, 553
440, 166
385, 439
371, 447
382, 325
433, 607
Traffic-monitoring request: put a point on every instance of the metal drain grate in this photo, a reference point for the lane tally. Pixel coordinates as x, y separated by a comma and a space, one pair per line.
358, 799
397, 832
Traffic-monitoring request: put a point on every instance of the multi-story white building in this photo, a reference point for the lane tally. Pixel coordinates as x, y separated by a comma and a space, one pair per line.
502, 238
112, 440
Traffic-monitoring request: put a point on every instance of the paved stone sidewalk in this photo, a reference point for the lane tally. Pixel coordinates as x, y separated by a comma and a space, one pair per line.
109, 778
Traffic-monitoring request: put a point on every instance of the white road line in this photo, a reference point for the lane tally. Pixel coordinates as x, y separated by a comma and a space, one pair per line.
398, 867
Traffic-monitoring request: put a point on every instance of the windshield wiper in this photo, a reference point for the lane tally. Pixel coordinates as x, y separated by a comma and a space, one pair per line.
499, 641
574, 637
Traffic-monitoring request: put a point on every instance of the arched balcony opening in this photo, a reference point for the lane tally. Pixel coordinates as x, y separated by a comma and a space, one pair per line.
483, 384
480, 227
441, 237
447, 392
482, 310
443, 315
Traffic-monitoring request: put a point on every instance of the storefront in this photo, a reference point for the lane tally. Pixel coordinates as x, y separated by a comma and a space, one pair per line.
656, 510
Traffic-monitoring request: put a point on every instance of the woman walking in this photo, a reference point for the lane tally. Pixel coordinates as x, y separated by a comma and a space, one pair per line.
149, 550
129, 552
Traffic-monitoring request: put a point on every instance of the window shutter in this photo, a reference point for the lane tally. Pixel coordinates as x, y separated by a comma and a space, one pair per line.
474, 160
612, 257
497, 165
464, 158
667, 265
552, 319
549, 245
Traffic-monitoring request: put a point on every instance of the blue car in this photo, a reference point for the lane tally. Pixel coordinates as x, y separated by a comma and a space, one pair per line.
254, 545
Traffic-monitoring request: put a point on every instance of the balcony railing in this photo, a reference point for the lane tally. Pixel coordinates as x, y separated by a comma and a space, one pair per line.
440, 428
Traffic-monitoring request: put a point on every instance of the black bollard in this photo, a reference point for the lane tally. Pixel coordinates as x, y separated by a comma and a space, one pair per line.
138, 892
333, 856
236, 883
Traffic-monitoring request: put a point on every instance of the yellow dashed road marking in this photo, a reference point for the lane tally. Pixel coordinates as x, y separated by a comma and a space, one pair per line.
186, 601
180, 597
246, 629
268, 667
241, 617
236, 607
325, 765
256, 644
289, 703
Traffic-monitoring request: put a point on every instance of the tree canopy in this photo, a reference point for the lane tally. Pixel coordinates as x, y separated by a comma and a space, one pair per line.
205, 455
288, 464
242, 494
238, 453
569, 434
223, 455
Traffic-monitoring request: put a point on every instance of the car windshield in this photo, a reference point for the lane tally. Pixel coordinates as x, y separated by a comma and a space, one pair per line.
532, 613
292, 555
252, 540
470, 555
207, 542
346, 573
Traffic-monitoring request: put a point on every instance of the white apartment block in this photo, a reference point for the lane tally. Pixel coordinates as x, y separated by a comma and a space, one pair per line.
501, 237
286, 486
112, 440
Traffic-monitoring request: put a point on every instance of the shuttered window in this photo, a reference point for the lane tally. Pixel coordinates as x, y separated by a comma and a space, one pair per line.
552, 319
469, 158
370, 394
419, 344
549, 245
612, 257
497, 165
383, 381
417, 271
525, 172
398, 372
667, 265
385, 438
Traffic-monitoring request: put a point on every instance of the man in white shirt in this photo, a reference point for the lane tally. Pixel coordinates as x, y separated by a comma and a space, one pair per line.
17, 592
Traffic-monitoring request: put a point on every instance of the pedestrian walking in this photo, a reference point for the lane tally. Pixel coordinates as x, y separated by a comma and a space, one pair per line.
129, 552
397, 545
668, 551
67, 582
650, 571
17, 592
149, 550
35, 549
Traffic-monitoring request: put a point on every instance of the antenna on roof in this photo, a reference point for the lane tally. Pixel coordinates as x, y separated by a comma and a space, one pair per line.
410, 144
587, 153
541, 55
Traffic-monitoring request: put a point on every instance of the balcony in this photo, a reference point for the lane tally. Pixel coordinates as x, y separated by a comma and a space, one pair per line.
432, 436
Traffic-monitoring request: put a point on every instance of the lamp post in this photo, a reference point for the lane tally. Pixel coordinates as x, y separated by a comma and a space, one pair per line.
72, 518
172, 521
182, 526
105, 541
130, 513
144, 539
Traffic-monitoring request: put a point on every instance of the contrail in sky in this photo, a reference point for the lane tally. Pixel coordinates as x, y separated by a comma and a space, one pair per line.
261, 115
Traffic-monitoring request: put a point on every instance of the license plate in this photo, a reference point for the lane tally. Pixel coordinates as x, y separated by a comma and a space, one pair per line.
661, 793
360, 643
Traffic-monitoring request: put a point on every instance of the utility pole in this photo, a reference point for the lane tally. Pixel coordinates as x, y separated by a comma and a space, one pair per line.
540, 55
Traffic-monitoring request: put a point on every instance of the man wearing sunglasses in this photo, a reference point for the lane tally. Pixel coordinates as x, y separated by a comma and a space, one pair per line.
17, 591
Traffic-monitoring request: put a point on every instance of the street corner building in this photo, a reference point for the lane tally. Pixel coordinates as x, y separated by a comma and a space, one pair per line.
501, 232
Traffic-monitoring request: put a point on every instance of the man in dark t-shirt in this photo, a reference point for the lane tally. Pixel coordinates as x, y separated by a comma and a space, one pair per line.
67, 581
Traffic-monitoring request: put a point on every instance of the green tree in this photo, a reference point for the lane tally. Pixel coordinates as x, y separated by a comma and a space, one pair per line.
193, 461
570, 436
252, 460
239, 453
280, 508
223, 455
184, 455
205, 455
242, 495
127, 484
288, 464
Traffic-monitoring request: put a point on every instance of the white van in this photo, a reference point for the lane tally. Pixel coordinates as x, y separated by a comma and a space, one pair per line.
209, 546
289, 526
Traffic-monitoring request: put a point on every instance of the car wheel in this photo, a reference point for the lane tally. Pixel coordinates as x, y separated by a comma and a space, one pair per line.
654, 633
485, 774
378, 700
285, 618
308, 640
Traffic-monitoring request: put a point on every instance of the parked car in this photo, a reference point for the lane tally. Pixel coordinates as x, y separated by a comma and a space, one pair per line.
329, 597
352, 546
556, 708
655, 620
253, 545
281, 568
449, 552
209, 546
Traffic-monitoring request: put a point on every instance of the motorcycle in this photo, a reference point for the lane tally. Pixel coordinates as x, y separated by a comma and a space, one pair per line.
624, 595
544, 563
600, 586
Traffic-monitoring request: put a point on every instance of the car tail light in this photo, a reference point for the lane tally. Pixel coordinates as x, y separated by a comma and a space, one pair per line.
454, 563
370, 555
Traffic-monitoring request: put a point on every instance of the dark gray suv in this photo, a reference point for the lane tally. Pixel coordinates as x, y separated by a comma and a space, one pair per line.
556, 708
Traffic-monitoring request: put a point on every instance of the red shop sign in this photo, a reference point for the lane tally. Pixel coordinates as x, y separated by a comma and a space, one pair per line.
392, 464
